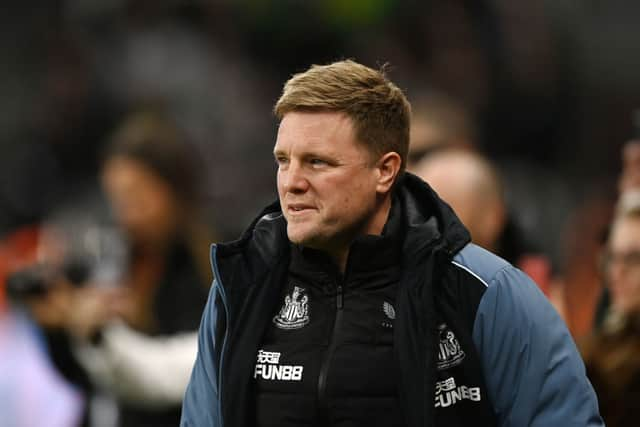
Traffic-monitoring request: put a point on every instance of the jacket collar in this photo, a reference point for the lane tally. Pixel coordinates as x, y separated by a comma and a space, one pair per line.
429, 218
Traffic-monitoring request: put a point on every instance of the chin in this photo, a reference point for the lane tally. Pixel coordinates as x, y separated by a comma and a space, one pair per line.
299, 237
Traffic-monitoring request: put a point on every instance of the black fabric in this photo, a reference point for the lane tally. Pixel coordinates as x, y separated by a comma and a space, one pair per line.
135, 416
181, 295
249, 306
253, 270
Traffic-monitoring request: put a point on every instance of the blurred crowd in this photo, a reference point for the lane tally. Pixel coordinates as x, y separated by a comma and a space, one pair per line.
136, 133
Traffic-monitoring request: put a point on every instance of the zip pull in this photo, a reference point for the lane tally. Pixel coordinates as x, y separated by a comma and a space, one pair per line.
339, 296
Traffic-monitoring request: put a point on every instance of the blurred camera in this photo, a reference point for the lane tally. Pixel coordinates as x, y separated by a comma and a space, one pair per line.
36, 280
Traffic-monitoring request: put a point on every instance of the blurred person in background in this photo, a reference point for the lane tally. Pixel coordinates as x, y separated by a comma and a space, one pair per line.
611, 352
151, 180
142, 346
629, 198
587, 294
471, 184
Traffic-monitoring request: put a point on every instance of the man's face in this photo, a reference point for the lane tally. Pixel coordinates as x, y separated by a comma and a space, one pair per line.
623, 265
327, 181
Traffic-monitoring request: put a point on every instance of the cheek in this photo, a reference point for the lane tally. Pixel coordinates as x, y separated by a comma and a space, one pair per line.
279, 188
357, 199
279, 184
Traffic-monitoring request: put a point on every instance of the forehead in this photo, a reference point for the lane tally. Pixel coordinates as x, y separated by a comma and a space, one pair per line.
316, 130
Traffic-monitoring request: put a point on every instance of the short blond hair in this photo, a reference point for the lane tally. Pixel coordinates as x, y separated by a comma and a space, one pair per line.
379, 111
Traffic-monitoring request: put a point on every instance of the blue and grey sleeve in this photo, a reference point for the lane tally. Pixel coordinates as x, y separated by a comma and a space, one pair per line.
200, 405
534, 373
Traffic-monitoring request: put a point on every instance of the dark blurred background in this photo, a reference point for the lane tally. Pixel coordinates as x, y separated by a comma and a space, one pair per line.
136, 132
548, 87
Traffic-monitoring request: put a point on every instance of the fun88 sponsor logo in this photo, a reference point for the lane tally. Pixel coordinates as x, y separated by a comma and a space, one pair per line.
268, 368
448, 393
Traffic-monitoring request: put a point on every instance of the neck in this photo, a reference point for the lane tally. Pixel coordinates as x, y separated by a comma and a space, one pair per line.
341, 260
374, 226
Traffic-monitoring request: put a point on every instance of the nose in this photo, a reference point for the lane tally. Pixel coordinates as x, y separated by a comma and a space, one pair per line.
292, 178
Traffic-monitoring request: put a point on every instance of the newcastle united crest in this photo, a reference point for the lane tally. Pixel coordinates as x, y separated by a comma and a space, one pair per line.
450, 353
294, 314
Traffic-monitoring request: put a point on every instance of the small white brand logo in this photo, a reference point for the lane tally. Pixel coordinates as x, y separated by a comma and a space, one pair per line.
390, 312
448, 393
268, 368
449, 351
294, 314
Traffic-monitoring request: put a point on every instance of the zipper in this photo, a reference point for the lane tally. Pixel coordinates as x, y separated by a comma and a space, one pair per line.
223, 298
323, 404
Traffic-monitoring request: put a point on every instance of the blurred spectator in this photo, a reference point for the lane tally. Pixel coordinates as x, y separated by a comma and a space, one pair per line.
472, 186
611, 353
151, 181
629, 199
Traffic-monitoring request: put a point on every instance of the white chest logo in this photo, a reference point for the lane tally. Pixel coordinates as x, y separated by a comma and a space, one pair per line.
390, 313
294, 314
389, 310
449, 351
268, 368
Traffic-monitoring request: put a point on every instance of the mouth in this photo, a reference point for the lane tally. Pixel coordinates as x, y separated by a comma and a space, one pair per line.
297, 209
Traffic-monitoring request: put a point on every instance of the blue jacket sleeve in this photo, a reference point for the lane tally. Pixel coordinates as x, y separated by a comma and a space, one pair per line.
534, 373
200, 405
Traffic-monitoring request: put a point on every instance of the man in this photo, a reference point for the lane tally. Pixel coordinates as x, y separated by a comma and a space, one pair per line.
357, 300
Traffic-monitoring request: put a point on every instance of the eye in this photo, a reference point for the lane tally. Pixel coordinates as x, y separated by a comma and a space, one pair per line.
317, 162
281, 161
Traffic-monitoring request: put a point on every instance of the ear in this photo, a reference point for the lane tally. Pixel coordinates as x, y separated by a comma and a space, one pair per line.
388, 169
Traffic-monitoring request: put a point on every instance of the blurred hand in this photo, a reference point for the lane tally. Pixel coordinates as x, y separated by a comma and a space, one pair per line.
92, 308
